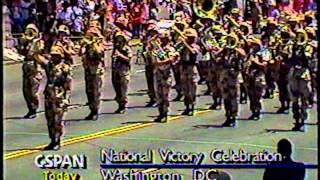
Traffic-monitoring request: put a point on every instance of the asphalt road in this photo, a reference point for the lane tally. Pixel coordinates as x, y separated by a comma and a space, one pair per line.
201, 132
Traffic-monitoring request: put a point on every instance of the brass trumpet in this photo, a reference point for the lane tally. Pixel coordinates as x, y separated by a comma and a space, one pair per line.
302, 37
231, 41
205, 8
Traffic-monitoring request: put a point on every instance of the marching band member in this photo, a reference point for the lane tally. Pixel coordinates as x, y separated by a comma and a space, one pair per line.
121, 57
232, 57
32, 49
300, 79
190, 55
165, 56
153, 31
57, 92
93, 64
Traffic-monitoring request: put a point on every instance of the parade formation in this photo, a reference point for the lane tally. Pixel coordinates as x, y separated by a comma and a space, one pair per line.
239, 59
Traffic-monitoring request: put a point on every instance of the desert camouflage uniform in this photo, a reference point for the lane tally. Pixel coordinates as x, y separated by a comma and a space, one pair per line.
203, 64
149, 72
257, 83
176, 73
32, 74
214, 75
313, 67
285, 53
300, 83
230, 85
273, 67
189, 79
163, 82
94, 71
57, 94
121, 76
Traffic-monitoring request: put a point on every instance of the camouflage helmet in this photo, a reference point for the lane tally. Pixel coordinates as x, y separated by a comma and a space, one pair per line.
32, 27
235, 11
64, 29
120, 35
95, 24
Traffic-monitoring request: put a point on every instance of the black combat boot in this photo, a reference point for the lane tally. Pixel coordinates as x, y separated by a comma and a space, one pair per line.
243, 95
253, 115
162, 118
186, 111
227, 122
191, 112
233, 122
230, 122
216, 104
93, 115
257, 117
298, 127
151, 103
31, 114
208, 92
121, 109
54, 145
267, 94
178, 98
282, 109
311, 100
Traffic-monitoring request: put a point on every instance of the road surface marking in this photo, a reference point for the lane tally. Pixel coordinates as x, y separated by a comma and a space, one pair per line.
78, 139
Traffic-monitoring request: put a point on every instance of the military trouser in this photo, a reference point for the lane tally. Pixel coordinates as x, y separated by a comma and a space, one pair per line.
255, 90
244, 87
149, 71
30, 87
120, 81
94, 80
230, 86
214, 74
300, 91
272, 76
189, 83
177, 77
163, 81
203, 69
284, 94
54, 112
314, 87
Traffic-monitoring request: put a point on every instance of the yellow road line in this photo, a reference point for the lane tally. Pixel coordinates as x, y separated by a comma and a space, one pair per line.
96, 135
91, 136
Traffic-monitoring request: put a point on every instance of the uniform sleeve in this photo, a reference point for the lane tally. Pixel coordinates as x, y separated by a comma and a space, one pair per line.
129, 51
68, 75
308, 52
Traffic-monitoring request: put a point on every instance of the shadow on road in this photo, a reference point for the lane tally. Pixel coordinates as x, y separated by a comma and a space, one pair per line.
269, 113
278, 130
14, 118
137, 94
312, 124
207, 126
134, 107
137, 122
76, 120
107, 100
